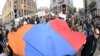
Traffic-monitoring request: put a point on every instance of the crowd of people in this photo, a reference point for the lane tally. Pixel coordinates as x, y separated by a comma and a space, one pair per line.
92, 29
31, 20
3, 42
89, 27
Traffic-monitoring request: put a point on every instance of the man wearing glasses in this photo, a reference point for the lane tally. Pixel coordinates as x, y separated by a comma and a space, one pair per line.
91, 42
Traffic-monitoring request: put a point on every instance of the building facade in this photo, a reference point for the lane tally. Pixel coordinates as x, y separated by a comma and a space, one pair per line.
64, 6
98, 7
92, 7
18, 8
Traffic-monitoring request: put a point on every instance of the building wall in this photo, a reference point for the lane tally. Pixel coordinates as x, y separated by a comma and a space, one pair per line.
7, 10
18, 8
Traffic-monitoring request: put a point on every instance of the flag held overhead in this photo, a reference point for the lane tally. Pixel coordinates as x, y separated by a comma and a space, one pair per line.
54, 38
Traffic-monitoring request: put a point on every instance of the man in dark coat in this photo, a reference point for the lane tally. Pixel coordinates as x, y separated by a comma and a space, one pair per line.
31, 21
1, 36
38, 20
91, 43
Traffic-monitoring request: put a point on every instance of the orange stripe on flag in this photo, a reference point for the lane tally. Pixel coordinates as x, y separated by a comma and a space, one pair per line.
15, 40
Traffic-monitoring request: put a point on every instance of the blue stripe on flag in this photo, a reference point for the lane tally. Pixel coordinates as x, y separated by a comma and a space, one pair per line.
42, 40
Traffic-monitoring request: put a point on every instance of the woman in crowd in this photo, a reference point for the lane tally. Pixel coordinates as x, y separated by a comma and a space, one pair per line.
74, 24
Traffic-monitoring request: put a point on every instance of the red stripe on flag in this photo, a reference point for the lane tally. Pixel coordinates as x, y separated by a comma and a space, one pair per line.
76, 39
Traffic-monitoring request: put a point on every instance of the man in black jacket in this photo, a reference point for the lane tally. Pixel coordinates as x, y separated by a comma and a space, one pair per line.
1, 36
31, 21
91, 43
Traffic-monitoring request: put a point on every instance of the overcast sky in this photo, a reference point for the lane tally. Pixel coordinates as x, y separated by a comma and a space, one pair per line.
78, 3
2, 2
45, 3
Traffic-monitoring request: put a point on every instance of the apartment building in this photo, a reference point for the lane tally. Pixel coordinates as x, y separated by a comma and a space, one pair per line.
64, 6
92, 7
18, 8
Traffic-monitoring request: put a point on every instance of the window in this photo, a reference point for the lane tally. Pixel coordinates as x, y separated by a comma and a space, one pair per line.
28, 3
64, 8
21, 12
24, 1
10, 4
15, 11
24, 12
54, 1
21, 1
24, 6
15, 6
27, 12
15, 1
